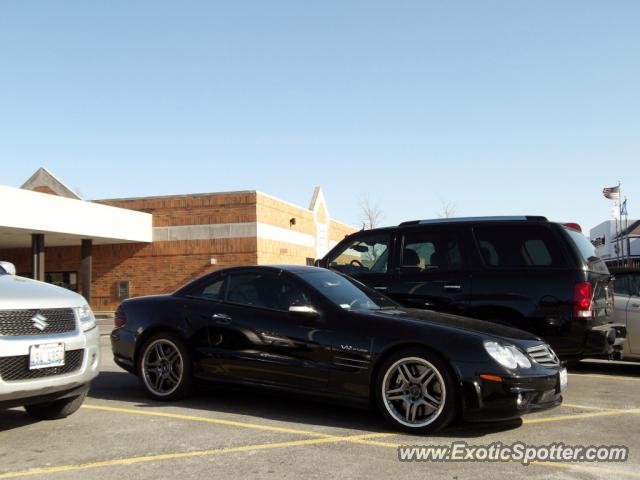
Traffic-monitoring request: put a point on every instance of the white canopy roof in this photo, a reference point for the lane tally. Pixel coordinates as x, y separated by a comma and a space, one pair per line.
65, 221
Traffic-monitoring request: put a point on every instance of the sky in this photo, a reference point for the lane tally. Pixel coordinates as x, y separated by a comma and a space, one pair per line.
495, 107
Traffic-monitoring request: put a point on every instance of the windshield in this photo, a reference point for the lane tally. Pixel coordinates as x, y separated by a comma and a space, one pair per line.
347, 293
586, 248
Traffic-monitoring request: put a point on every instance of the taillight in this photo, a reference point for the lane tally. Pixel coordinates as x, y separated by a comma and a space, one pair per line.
573, 226
582, 297
120, 318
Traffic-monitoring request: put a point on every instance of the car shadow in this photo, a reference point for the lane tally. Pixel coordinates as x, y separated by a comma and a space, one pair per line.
277, 406
606, 367
15, 418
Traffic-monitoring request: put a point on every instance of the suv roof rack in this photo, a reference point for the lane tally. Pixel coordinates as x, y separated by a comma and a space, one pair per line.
476, 219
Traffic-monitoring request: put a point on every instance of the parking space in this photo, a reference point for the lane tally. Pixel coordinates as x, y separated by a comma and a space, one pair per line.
226, 432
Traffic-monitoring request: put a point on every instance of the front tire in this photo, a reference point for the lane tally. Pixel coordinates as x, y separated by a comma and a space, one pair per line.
56, 409
165, 368
416, 391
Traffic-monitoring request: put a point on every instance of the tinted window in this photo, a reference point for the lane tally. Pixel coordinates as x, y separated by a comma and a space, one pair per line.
266, 291
518, 246
346, 292
425, 251
586, 248
366, 254
211, 290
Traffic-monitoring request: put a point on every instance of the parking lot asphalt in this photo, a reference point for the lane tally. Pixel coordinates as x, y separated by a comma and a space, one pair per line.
228, 433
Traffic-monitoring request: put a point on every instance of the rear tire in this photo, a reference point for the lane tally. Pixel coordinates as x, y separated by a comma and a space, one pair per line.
416, 391
56, 409
165, 367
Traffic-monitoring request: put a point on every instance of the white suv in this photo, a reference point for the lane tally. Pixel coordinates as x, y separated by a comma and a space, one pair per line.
49, 346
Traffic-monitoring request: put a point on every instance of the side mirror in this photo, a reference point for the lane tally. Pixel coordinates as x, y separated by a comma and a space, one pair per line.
8, 267
303, 309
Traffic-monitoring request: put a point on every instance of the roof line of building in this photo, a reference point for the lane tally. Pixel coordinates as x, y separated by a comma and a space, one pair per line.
155, 197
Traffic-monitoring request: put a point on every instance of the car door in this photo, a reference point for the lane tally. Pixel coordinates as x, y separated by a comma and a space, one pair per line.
433, 269
253, 337
366, 257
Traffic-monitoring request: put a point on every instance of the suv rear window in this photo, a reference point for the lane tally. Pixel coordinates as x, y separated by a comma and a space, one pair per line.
586, 248
518, 246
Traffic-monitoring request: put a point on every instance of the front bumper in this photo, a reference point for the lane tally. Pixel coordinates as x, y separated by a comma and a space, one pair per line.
22, 392
486, 401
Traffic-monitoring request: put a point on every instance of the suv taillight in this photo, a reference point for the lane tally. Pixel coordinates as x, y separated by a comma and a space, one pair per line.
120, 318
582, 297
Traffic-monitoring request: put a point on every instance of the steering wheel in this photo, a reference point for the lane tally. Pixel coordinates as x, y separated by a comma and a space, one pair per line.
356, 263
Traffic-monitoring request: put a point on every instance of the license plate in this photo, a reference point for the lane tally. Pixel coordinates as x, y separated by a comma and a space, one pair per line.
46, 356
563, 379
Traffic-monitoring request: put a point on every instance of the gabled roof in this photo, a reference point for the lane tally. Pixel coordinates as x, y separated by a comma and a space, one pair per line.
44, 180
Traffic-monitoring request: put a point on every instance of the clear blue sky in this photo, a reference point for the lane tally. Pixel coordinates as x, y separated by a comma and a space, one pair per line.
501, 107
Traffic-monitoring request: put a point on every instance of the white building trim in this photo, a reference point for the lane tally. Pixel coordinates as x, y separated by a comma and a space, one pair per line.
232, 230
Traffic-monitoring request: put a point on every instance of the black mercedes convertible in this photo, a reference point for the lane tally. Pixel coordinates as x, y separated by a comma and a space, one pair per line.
313, 331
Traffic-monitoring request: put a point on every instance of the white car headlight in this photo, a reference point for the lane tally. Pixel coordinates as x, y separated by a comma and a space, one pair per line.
85, 317
521, 359
501, 354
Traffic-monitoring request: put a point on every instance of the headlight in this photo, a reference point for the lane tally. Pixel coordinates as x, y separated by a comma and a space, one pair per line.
85, 317
521, 358
507, 356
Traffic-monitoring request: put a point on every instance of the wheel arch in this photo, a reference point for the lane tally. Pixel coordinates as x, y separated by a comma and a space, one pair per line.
392, 349
147, 333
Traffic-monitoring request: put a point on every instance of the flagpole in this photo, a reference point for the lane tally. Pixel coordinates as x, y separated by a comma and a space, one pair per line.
621, 248
615, 217
626, 223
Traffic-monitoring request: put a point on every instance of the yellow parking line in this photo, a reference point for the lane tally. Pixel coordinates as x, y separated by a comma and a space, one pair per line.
218, 421
176, 456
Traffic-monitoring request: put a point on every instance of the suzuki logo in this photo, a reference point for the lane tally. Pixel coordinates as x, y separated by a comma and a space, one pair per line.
40, 321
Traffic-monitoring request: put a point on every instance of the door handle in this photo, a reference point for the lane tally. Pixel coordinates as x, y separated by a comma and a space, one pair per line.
221, 318
452, 287
381, 288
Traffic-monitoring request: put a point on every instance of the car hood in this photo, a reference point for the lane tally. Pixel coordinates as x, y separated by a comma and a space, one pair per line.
18, 293
457, 322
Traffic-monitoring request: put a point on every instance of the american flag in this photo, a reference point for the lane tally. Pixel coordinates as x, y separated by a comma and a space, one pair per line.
612, 193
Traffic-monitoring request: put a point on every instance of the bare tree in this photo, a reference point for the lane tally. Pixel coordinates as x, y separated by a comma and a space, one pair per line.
371, 214
448, 209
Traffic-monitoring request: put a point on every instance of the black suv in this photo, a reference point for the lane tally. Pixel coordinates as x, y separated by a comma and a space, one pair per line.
527, 272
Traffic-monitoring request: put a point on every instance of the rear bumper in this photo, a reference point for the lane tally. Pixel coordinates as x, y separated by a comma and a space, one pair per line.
487, 401
122, 346
605, 340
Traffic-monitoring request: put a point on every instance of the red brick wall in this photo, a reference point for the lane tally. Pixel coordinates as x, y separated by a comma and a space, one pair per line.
151, 269
162, 267
202, 209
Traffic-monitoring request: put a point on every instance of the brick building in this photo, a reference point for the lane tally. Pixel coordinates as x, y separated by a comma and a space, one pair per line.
191, 235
